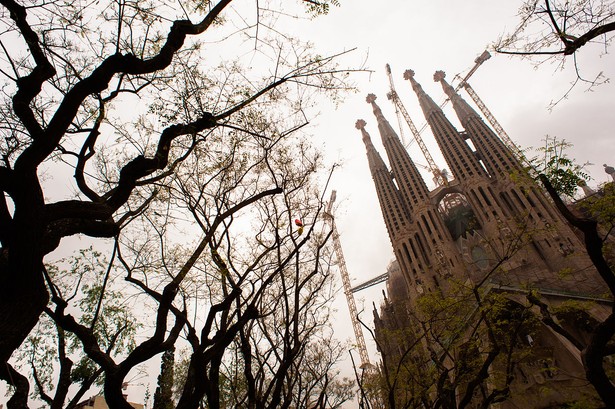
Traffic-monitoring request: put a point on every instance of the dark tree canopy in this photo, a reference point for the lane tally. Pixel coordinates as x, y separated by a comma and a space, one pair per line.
122, 126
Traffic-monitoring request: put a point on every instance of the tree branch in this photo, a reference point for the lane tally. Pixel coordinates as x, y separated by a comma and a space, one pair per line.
19, 400
548, 320
99, 80
573, 46
589, 228
30, 85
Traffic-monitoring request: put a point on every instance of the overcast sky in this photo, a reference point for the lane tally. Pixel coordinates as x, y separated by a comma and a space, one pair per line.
442, 35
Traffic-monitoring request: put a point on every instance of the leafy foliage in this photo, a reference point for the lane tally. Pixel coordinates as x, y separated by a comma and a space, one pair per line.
455, 343
164, 391
51, 352
317, 7
126, 124
562, 172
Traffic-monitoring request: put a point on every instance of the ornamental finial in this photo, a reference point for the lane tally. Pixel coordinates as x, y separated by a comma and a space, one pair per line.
439, 76
408, 74
610, 170
370, 98
360, 124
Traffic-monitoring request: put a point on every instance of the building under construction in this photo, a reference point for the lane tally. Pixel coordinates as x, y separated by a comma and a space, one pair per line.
488, 234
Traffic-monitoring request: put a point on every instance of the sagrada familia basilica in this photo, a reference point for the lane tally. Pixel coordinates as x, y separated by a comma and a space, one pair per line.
487, 228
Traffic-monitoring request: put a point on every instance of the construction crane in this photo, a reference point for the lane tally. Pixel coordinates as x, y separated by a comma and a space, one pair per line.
376, 280
439, 177
483, 108
352, 307
392, 94
477, 63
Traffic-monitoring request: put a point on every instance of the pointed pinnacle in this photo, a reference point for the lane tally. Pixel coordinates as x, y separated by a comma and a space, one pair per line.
439, 76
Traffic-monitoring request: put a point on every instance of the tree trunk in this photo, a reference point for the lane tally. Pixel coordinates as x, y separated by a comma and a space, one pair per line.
23, 294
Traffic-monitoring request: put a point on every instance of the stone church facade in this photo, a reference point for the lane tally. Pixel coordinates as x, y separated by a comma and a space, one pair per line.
489, 228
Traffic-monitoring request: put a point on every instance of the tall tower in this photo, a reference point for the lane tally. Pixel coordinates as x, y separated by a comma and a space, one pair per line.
504, 233
421, 242
520, 201
471, 176
396, 215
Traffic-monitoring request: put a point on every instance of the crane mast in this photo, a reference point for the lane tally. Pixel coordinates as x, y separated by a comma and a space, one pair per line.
483, 108
477, 63
491, 119
352, 307
399, 107
397, 111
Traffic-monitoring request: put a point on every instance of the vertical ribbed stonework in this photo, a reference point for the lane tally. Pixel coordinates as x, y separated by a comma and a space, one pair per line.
394, 210
407, 176
520, 198
414, 230
462, 161
484, 230
460, 158
427, 228
498, 159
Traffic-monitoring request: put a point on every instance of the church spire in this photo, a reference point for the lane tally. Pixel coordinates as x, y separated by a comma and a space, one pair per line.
394, 211
427, 104
373, 157
460, 158
463, 110
498, 159
407, 176
426, 223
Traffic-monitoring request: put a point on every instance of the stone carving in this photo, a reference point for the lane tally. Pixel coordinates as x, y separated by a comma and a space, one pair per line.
610, 170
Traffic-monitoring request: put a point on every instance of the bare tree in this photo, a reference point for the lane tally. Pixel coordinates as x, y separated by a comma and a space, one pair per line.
250, 295
117, 102
280, 369
554, 30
